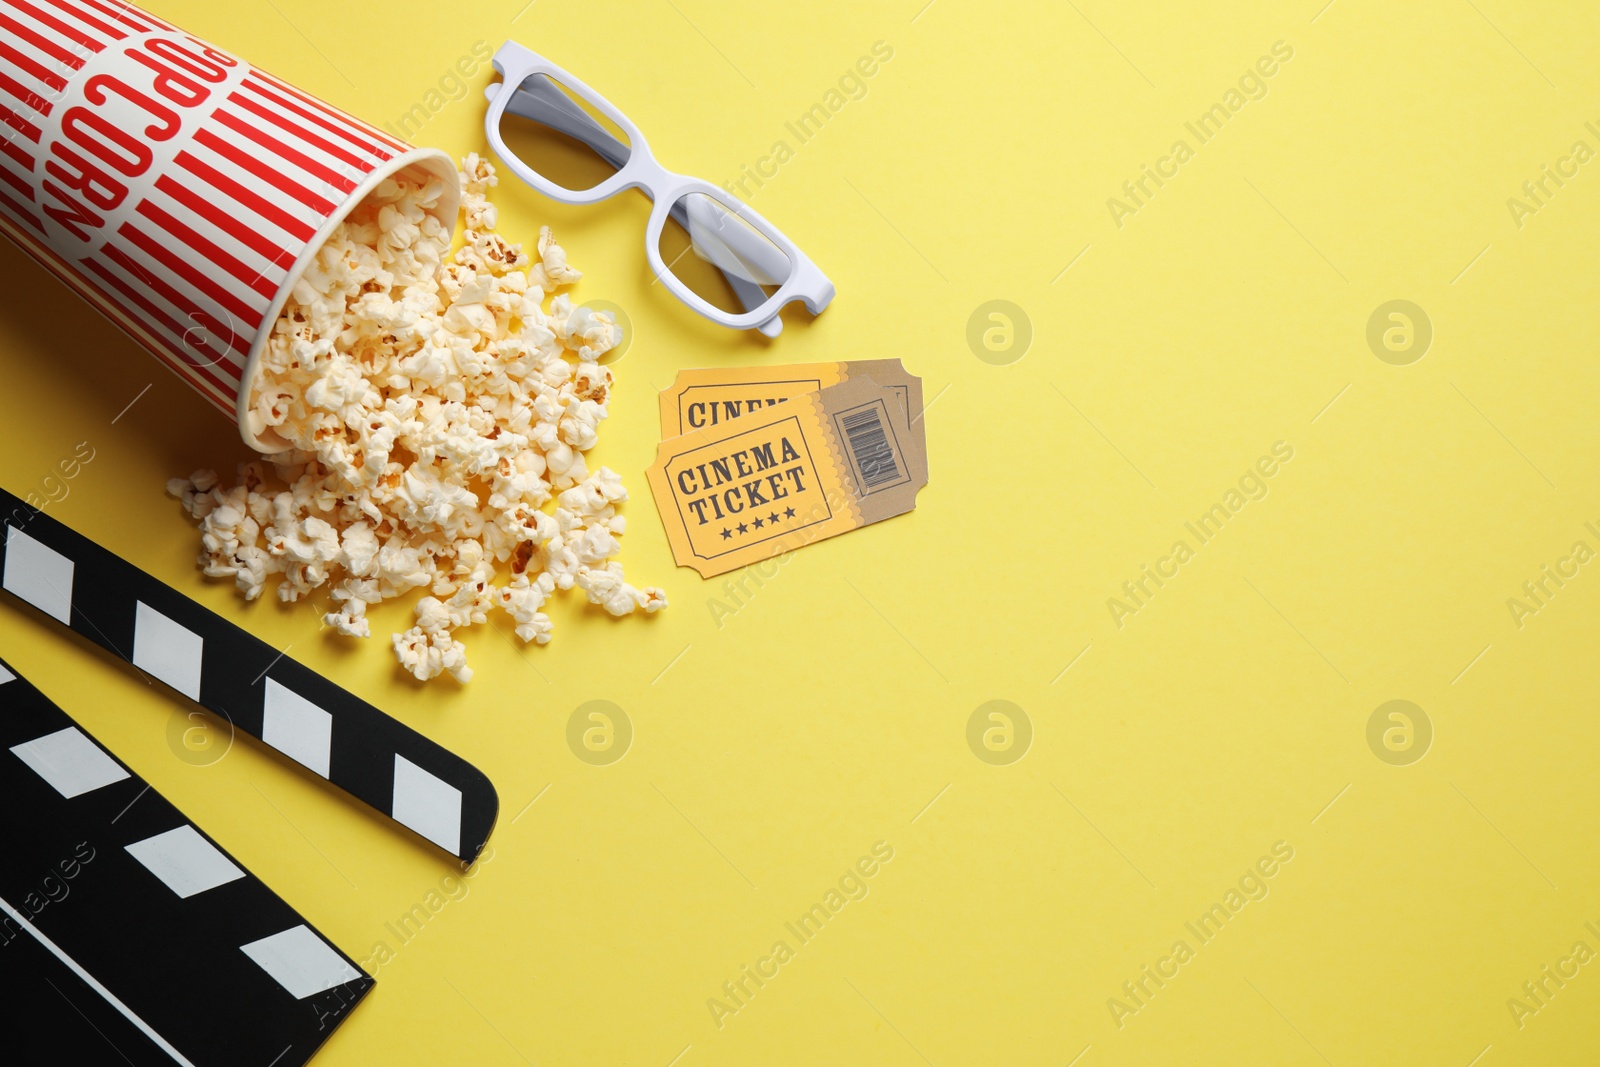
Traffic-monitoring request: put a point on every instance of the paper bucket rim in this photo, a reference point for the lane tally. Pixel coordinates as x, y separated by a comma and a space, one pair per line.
437, 163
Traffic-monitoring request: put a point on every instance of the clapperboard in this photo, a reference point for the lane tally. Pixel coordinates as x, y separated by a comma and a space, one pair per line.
372, 756
122, 925
126, 933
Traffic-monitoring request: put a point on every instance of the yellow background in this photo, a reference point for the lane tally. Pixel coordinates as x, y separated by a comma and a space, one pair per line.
1228, 714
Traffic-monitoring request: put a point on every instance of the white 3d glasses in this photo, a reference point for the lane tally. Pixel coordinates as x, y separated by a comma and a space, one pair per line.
714, 252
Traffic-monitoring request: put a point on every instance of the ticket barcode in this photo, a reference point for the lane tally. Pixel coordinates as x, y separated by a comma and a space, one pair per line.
869, 447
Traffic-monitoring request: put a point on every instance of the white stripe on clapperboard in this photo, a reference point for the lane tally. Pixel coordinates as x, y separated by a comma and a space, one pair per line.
111, 998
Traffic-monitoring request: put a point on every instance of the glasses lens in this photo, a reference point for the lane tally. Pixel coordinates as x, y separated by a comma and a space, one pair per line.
561, 136
719, 256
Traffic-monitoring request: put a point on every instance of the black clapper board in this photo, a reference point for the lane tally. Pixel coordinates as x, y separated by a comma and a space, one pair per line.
126, 933
196, 652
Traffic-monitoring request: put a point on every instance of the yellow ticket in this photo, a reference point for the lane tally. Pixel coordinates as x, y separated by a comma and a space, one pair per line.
710, 396
767, 482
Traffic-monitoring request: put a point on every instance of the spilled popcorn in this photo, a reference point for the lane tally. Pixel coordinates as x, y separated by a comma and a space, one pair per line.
434, 408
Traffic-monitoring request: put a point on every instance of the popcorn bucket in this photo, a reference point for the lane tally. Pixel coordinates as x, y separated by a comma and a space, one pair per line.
178, 189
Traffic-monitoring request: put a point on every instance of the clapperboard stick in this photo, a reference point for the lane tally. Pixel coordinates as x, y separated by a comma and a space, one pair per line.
204, 657
118, 912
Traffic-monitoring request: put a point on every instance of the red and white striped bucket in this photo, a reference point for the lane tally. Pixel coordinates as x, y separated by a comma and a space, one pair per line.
175, 187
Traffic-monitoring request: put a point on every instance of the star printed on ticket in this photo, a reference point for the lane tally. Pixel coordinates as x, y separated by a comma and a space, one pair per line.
764, 483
